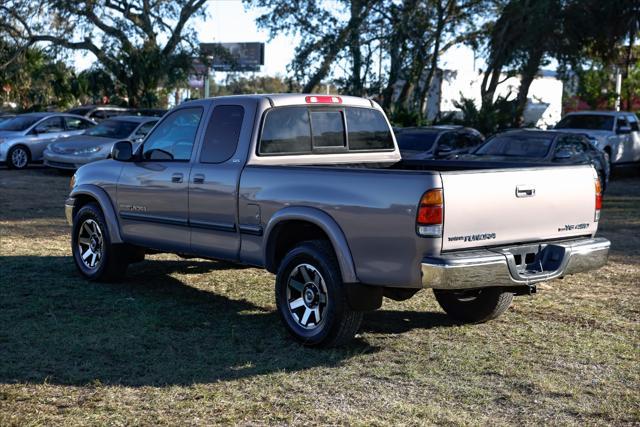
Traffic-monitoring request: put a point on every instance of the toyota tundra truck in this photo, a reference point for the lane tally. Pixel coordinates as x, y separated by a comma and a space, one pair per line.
313, 189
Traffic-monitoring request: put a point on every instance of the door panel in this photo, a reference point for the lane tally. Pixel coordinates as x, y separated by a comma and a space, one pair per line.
213, 186
153, 204
153, 193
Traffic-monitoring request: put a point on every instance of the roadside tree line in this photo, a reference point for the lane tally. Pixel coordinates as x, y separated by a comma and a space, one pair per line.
389, 49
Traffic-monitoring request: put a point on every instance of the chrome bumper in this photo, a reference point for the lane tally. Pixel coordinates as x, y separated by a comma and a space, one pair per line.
520, 265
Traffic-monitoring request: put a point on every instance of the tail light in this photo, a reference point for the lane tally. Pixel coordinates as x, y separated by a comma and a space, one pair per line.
323, 99
430, 214
598, 200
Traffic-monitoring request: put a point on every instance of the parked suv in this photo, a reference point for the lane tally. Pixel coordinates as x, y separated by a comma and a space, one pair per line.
312, 188
616, 133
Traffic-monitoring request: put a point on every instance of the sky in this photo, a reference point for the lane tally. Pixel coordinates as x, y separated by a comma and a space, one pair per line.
229, 21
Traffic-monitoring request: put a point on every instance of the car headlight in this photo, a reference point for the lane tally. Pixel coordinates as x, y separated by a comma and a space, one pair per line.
88, 150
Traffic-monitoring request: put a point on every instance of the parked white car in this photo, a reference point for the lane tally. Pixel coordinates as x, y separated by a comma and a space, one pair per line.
614, 132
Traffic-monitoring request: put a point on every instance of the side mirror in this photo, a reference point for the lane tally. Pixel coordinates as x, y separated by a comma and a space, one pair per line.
562, 155
624, 130
122, 151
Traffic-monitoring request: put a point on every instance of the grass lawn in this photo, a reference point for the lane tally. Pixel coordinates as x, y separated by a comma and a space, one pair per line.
185, 342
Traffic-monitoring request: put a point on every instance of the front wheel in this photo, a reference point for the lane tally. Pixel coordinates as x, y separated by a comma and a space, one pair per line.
94, 254
474, 305
311, 298
18, 157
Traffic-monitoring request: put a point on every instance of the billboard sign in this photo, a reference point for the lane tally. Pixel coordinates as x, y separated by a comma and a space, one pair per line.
234, 56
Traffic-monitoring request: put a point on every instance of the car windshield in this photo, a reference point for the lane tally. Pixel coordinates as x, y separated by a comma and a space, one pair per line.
113, 129
18, 124
516, 146
416, 141
587, 121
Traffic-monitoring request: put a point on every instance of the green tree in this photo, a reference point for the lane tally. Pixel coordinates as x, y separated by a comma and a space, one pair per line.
143, 44
34, 78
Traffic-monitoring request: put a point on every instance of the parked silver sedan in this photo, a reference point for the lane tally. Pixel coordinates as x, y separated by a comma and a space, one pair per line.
95, 144
24, 137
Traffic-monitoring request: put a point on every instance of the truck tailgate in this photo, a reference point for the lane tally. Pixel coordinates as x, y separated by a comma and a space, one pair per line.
488, 208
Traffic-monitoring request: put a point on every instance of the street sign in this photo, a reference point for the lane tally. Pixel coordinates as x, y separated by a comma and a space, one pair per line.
234, 56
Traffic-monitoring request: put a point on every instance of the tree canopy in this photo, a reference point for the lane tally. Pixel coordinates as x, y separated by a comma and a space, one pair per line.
143, 44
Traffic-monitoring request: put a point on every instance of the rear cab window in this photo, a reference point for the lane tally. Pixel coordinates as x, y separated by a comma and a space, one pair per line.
318, 130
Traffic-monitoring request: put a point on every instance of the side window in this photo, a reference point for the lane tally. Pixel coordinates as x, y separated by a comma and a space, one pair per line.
223, 132
286, 130
173, 138
368, 130
144, 129
622, 122
51, 125
327, 129
76, 123
633, 122
98, 115
448, 140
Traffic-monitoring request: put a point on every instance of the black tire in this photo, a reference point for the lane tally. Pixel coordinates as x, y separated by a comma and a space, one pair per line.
475, 305
338, 323
607, 158
21, 152
110, 263
602, 179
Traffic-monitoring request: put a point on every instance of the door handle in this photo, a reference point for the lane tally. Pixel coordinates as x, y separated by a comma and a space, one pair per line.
176, 177
198, 178
525, 191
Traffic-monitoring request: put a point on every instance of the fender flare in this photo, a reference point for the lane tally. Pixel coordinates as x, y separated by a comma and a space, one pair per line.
326, 224
106, 205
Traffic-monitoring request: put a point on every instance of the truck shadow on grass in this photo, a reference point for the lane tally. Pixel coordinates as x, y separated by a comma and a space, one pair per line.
152, 329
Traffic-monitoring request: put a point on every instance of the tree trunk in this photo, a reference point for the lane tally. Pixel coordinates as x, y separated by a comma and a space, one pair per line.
529, 72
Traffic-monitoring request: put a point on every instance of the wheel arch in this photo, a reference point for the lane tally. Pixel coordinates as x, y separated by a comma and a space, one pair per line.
305, 223
87, 193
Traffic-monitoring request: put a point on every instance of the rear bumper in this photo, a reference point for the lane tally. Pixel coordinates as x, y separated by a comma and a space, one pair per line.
521, 265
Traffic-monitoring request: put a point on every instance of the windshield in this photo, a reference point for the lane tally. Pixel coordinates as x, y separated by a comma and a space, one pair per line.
586, 121
18, 124
416, 141
117, 129
516, 146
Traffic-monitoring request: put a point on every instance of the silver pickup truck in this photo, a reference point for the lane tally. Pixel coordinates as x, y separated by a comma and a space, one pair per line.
313, 189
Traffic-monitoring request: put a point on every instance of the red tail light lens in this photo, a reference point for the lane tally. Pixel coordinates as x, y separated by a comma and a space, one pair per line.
598, 199
323, 99
430, 214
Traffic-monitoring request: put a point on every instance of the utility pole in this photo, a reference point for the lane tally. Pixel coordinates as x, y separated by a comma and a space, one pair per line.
618, 89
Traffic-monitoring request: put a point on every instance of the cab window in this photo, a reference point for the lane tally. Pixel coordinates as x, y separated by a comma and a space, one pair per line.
223, 133
174, 137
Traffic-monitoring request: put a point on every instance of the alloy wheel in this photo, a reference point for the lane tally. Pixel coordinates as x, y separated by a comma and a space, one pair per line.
90, 244
19, 158
307, 297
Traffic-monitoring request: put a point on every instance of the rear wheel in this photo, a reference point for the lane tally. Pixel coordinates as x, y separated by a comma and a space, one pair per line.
474, 305
311, 298
18, 157
94, 254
